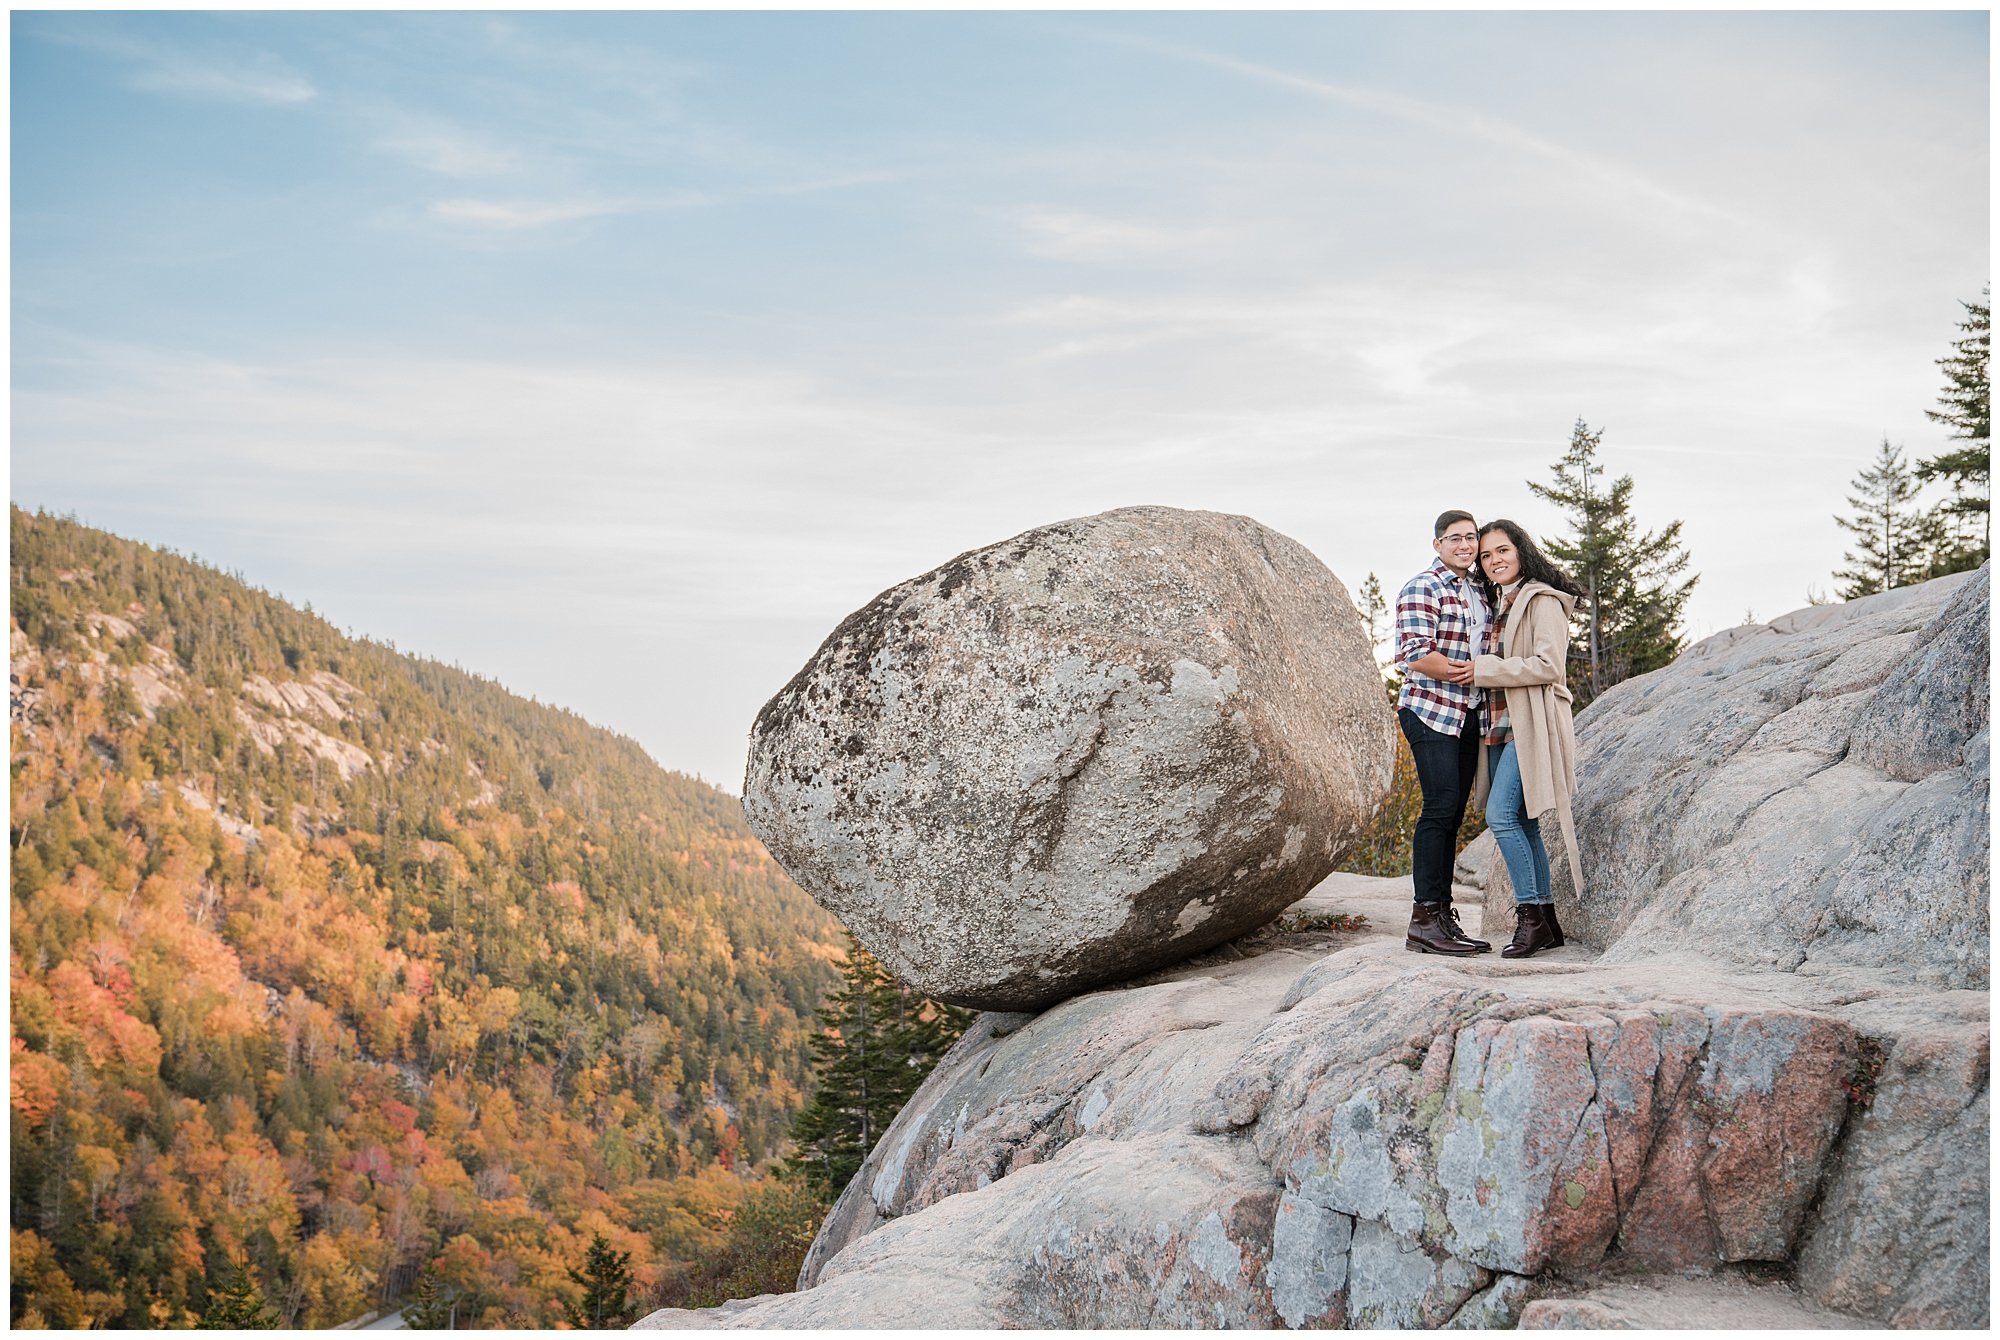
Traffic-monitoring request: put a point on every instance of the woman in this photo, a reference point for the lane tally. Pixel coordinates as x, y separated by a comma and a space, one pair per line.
1528, 764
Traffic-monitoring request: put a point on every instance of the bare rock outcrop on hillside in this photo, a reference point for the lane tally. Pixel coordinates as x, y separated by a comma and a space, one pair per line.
1811, 790
1789, 1102
1293, 1137
1077, 755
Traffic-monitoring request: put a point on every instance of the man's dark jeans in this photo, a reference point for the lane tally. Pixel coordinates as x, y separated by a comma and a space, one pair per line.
1446, 765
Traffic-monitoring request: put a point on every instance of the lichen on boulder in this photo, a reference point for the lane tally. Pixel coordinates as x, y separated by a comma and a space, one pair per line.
1077, 755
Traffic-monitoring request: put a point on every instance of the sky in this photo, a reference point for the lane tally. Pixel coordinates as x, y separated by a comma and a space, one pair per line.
619, 356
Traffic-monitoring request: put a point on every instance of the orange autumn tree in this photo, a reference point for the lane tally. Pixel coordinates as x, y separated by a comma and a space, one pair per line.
330, 964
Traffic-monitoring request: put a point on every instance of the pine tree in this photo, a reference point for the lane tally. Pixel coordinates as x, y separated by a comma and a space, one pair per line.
1894, 536
606, 1278
1631, 622
432, 1309
1966, 407
237, 1306
878, 1039
769, 1234
1374, 609
1375, 614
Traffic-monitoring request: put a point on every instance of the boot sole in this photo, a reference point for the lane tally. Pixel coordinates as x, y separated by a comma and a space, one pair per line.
1416, 948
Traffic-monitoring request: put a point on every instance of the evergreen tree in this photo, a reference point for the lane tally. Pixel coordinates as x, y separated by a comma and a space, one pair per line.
769, 1235
1375, 614
432, 1309
1374, 609
878, 1041
1965, 405
237, 1306
1894, 537
1631, 623
606, 1278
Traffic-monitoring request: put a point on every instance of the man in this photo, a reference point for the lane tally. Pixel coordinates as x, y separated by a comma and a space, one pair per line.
1441, 621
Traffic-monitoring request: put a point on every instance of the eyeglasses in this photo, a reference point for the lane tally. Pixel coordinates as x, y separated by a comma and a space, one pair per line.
1470, 537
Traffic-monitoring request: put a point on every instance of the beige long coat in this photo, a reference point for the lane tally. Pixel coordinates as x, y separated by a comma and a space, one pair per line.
1538, 707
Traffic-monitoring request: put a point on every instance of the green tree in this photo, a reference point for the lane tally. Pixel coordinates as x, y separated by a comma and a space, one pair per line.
606, 1278
237, 1306
878, 1040
1965, 405
765, 1247
1375, 615
431, 1310
1895, 538
1383, 847
1374, 609
1636, 591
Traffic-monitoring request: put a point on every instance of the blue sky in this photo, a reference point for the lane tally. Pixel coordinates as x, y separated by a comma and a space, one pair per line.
619, 356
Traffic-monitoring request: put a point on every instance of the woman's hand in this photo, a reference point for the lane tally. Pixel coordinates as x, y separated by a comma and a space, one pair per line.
1437, 665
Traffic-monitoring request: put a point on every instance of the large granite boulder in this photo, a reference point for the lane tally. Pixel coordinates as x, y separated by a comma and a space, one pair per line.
1317, 1129
1814, 789
1079, 754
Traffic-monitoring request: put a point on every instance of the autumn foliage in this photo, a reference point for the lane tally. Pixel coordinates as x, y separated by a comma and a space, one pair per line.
438, 977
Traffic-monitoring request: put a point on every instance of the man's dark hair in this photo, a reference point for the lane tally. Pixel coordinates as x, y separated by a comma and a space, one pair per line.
1444, 522
1536, 566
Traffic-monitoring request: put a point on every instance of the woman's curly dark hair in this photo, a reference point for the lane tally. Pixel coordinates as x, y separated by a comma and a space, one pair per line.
1536, 566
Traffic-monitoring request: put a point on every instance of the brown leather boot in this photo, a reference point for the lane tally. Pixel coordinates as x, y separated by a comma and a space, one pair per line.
1449, 916
1535, 929
1430, 932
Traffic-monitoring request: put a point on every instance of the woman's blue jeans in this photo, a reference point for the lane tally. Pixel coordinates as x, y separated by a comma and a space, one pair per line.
1519, 837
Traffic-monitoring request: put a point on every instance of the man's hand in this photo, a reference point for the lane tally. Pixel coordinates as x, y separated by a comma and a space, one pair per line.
1437, 665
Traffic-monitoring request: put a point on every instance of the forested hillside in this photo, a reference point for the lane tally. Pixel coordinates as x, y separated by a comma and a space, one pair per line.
330, 962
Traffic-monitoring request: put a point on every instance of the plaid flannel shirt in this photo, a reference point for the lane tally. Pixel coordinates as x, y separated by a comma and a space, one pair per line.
1499, 727
1436, 611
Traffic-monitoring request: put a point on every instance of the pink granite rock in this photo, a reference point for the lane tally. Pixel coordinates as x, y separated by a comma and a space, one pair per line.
1774, 1093
1372, 1138
1902, 1232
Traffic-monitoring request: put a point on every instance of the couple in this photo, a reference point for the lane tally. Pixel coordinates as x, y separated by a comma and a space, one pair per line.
1482, 637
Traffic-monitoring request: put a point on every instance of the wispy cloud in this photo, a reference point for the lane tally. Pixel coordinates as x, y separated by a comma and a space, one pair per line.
1365, 325
644, 75
228, 76
1376, 342
647, 507
662, 460
448, 150
1445, 119
519, 215
267, 82
838, 182
1077, 236
524, 214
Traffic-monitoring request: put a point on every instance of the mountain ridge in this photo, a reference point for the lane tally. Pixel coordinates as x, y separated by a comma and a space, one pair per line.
435, 962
